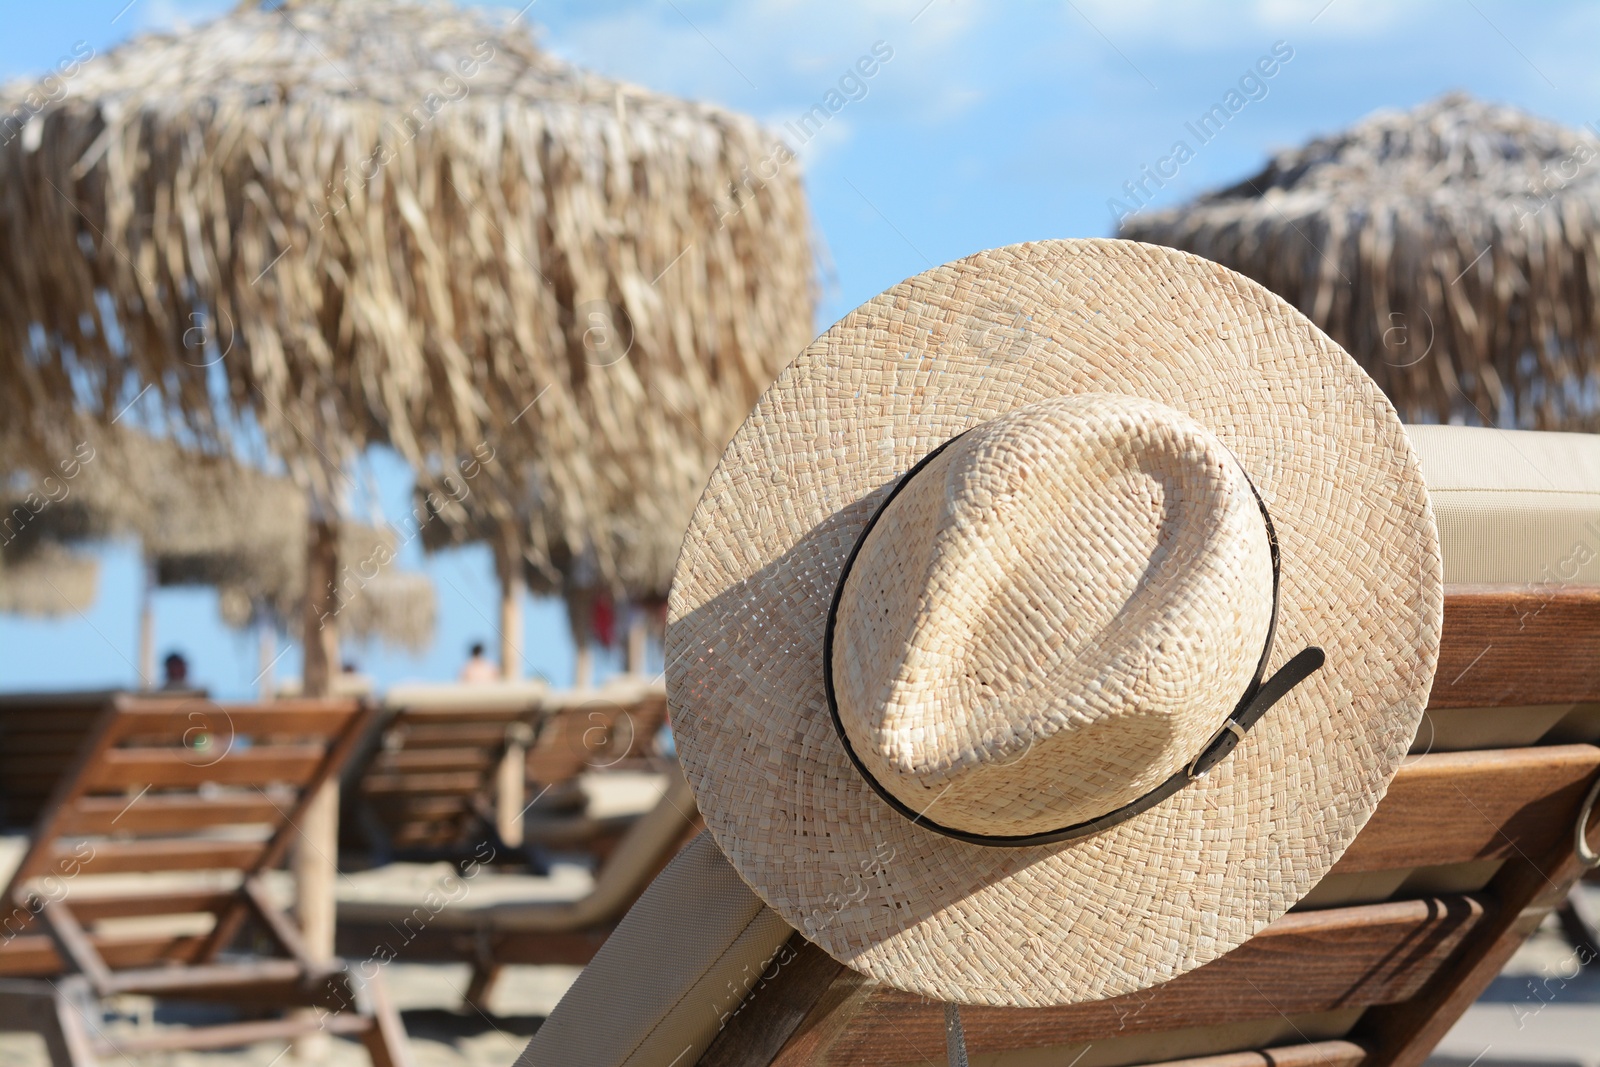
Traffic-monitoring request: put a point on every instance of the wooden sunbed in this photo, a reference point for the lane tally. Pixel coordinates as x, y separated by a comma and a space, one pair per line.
1466, 855
533, 932
595, 729
1463, 859
586, 732
200, 801
1473, 847
457, 767
444, 772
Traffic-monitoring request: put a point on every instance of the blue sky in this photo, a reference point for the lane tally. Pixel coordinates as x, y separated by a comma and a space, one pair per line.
990, 124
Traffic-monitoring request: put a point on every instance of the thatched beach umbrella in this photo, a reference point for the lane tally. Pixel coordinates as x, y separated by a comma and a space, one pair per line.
450, 522
405, 223
48, 582
1454, 250
207, 520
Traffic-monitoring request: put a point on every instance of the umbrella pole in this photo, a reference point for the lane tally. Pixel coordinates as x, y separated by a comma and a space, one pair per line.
147, 628
583, 666
508, 561
638, 635
320, 627
318, 841
266, 652
580, 621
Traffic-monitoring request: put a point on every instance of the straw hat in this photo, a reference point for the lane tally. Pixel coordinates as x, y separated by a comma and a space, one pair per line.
1053, 624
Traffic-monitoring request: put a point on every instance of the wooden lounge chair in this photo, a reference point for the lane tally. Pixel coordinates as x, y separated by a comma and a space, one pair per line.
583, 734
596, 729
1474, 845
444, 772
200, 801
498, 931
453, 766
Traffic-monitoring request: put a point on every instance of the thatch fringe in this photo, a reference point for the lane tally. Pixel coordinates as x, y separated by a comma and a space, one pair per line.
405, 223
1454, 250
205, 520
48, 583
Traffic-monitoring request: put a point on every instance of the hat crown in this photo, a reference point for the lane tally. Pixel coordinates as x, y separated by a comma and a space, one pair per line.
1053, 615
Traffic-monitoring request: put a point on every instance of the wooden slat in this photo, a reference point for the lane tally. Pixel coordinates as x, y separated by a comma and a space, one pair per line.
386, 1041
41, 856
437, 760
432, 833
1527, 889
1369, 955
448, 735
95, 698
216, 976
411, 718
152, 813
423, 807
284, 931
34, 955
116, 857
313, 795
175, 717
73, 944
1457, 807
133, 767
754, 1030
830, 1016
1509, 646
107, 767
48, 720
452, 783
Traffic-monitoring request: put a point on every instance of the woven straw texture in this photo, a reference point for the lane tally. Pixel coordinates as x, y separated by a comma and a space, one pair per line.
1195, 876
1053, 616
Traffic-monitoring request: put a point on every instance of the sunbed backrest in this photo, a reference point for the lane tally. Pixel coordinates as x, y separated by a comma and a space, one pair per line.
175, 786
431, 781
40, 735
197, 800
594, 730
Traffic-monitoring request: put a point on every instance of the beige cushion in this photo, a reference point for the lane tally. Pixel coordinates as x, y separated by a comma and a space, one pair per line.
1512, 507
662, 984
469, 697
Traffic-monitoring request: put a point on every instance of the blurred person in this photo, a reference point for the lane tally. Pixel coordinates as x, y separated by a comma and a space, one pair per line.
175, 671
478, 667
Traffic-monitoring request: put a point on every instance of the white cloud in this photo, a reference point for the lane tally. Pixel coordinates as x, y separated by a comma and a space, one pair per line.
825, 144
1204, 24
776, 58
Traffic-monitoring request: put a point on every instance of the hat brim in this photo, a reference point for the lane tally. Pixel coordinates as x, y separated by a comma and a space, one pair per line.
1198, 874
